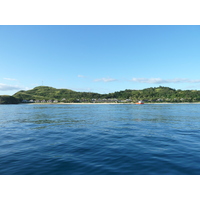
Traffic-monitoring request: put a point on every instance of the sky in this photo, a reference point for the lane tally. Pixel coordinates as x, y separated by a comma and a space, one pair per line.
100, 59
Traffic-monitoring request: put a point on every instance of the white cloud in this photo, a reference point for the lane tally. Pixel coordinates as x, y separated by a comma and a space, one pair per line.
10, 79
194, 81
160, 81
81, 76
4, 87
105, 80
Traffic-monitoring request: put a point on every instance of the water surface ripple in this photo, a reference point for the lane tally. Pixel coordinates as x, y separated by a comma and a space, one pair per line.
100, 139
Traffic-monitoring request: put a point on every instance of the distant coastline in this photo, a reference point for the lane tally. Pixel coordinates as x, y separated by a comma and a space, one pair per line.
154, 95
60, 103
107, 103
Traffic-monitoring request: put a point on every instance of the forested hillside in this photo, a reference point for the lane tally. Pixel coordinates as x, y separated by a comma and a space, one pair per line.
47, 93
5, 99
159, 94
156, 94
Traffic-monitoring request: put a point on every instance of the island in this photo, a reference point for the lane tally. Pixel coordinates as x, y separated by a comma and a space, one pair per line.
46, 94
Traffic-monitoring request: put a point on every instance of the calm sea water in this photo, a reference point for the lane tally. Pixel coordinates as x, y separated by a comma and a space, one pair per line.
100, 139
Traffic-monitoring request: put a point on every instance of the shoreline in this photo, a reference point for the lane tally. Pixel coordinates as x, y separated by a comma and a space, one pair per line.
106, 103
100, 103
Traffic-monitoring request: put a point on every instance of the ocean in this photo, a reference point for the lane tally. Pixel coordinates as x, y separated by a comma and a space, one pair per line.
98, 139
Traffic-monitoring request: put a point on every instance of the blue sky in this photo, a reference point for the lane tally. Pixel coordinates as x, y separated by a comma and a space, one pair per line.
99, 59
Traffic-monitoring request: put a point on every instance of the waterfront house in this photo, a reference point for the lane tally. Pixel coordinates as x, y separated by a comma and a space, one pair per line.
24, 101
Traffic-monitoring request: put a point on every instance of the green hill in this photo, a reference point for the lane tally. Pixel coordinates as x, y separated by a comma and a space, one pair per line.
156, 94
5, 99
47, 93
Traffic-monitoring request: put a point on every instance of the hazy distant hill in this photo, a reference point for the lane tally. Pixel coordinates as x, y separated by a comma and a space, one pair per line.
156, 94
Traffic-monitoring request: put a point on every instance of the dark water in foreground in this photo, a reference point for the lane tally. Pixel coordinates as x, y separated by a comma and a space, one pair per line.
100, 139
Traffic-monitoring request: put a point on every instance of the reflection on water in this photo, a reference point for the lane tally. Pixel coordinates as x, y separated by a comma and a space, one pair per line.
100, 139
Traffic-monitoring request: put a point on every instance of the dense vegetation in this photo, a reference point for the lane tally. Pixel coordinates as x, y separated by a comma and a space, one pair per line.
159, 94
156, 94
47, 93
5, 99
